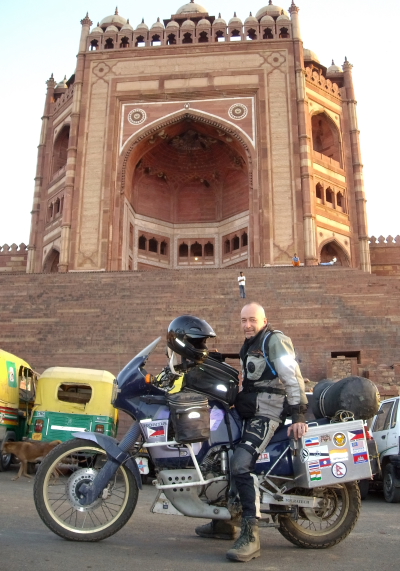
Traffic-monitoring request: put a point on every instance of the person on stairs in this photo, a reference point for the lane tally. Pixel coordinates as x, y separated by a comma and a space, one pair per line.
271, 377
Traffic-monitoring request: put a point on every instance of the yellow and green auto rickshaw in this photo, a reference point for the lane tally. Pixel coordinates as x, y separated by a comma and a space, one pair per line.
72, 400
17, 393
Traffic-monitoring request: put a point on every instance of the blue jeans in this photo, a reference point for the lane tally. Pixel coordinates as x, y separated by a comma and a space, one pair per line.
242, 291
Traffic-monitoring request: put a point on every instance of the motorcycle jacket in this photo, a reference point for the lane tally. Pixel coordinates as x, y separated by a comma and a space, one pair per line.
269, 369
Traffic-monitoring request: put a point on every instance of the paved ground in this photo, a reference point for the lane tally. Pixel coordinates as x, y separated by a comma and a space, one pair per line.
167, 543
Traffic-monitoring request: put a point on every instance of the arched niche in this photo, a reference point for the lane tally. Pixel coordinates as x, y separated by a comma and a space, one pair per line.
332, 249
60, 150
326, 137
50, 264
187, 171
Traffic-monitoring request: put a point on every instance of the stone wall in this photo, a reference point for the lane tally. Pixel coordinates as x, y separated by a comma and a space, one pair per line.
385, 256
13, 258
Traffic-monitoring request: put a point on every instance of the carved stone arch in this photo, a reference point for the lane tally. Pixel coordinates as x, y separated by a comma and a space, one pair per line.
155, 129
326, 135
51, 261
331, 248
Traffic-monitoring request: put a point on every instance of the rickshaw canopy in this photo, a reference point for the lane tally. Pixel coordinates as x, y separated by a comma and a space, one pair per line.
17, 380
75, 391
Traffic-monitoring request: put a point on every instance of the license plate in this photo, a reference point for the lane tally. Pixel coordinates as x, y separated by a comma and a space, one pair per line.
143, 464
37, 436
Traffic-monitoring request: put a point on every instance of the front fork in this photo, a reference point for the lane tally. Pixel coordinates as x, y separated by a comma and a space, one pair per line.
117, 455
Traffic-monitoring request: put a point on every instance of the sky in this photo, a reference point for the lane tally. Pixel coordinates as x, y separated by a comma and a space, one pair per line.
42, 37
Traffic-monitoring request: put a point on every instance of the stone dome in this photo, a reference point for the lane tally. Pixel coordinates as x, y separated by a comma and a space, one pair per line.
250, 20
172, 24
191, 7
268, 20
235, 21
114, 19
63, 83
142, 26
283, 18
334, 69
127, 27
97, 30
188, 24
203, 23
271, 10
157, 25
309, 55
111, 30
219, 21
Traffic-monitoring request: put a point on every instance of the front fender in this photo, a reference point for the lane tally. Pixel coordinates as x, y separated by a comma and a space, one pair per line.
110, 445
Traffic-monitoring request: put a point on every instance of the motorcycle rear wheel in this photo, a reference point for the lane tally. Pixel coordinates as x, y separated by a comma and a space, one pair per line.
324, 527
56, 493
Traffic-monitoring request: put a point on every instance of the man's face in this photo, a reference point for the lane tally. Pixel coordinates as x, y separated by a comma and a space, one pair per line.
253, 320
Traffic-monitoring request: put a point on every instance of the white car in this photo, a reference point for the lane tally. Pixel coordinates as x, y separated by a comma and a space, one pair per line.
386, 431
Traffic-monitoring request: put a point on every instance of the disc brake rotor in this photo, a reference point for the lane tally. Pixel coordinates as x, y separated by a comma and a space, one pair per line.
83, 476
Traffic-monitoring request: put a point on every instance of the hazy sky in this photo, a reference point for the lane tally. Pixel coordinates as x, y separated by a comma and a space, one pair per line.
42, 37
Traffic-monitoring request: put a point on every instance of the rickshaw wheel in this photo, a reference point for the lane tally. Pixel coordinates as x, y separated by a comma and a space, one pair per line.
56, 493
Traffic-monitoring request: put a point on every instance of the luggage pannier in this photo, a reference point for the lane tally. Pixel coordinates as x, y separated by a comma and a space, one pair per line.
190, 416
215, 379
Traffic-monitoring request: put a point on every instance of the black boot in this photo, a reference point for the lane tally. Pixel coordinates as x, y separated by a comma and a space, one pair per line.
247, 546
216, 529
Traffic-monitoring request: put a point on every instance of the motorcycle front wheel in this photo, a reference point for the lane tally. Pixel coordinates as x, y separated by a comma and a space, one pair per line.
319, 528
56, 493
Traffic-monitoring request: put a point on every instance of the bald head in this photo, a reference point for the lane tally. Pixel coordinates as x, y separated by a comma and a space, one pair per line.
253, 319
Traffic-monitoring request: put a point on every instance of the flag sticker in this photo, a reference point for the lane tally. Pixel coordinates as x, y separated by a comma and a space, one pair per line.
358, 446
339, 470
154, 432
325, 463
356, 435
319, 452
339, 455
263, 457
315, 475
313, 465
313, 441
360, 458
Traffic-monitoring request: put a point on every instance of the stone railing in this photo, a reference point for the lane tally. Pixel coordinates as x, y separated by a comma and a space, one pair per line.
385, 255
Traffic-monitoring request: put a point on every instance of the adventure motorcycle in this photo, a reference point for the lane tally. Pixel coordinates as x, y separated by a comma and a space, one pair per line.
86, 489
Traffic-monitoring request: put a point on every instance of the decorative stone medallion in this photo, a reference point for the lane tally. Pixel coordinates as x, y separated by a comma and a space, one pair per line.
137, 116
237, 111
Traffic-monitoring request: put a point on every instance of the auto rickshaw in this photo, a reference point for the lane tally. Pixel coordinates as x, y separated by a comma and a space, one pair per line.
17, 393
72, 400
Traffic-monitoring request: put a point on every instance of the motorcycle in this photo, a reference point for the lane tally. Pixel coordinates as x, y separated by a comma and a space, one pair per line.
87, 488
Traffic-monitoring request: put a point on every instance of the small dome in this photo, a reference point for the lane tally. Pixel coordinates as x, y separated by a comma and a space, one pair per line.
309, 55
283, 18
235, 21
267, 20
271, 10
97, 30
127, 27
62, 84
157, 25
203, 23
172, 24
334, 69
114, 19
111, 29
188, 24
250, 20
142, 26
191, 7
219, 21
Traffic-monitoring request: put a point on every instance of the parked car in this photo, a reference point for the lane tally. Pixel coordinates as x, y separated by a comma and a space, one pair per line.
386, 431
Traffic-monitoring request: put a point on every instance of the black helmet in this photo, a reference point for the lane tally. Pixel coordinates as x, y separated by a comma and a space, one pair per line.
187, 337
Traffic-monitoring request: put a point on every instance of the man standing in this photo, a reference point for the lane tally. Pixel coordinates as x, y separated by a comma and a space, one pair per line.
269, 375
242, 285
